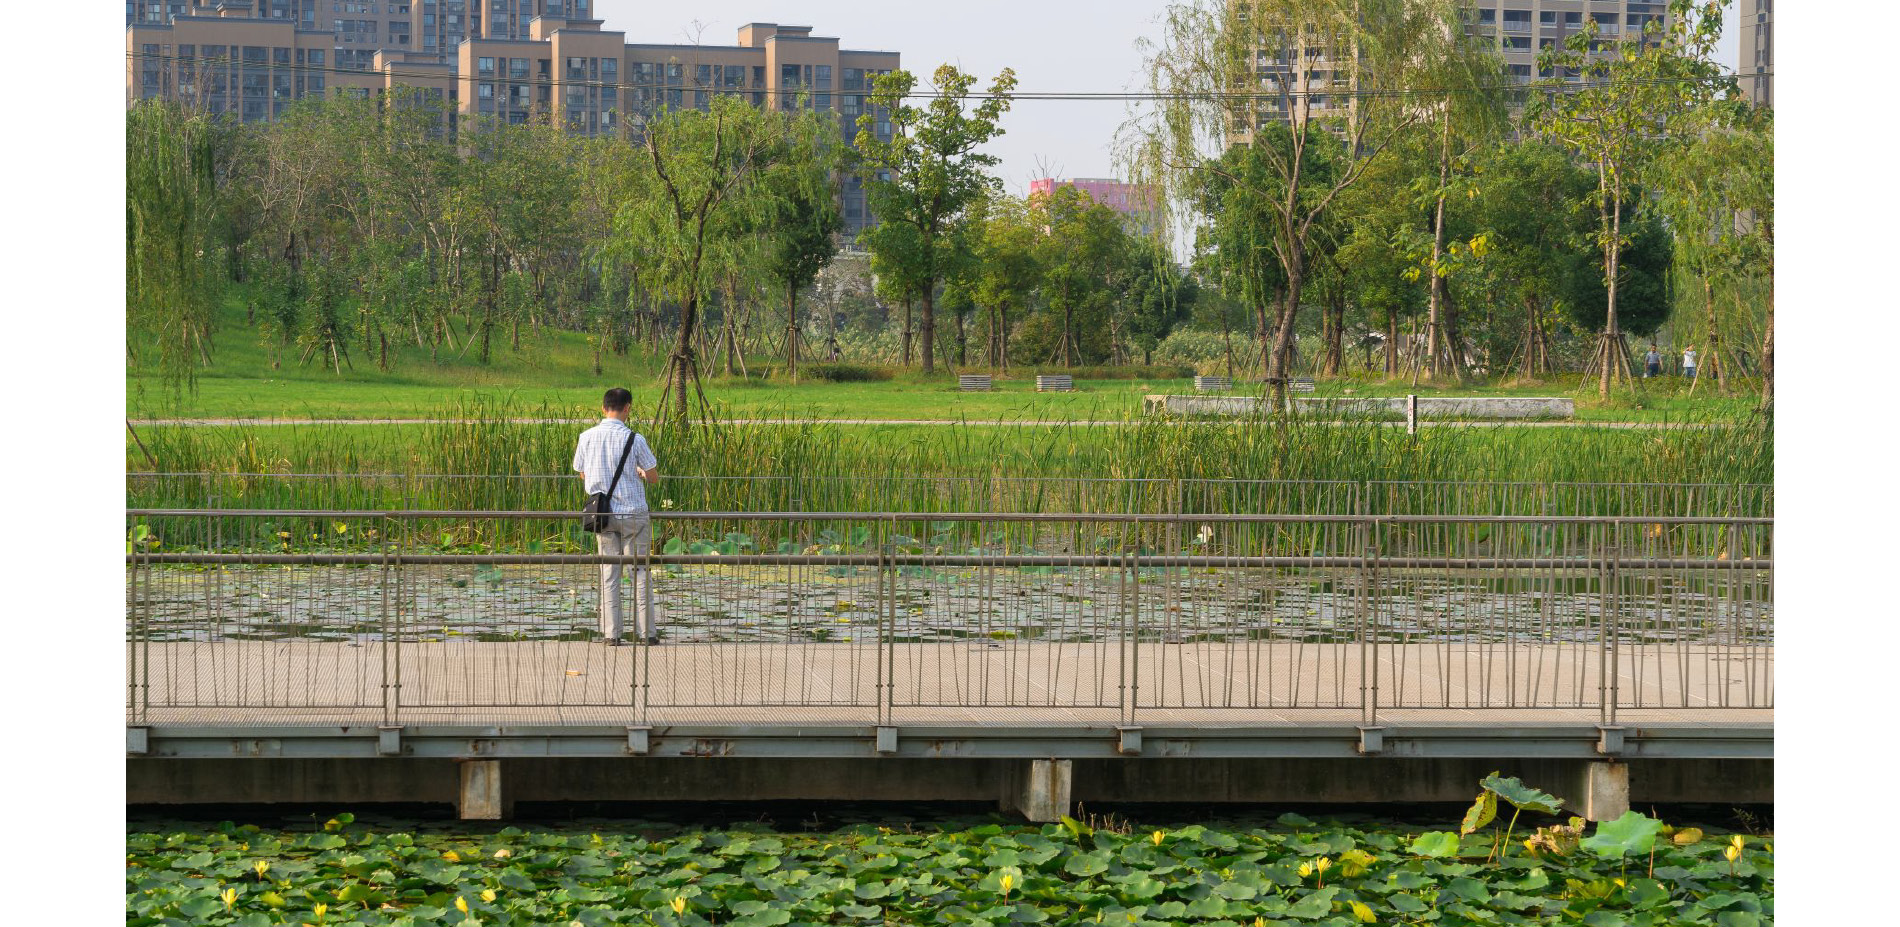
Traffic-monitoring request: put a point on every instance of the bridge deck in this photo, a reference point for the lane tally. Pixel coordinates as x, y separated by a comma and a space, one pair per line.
260, 684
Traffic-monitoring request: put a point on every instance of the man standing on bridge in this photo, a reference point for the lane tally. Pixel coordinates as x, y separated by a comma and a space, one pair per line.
629, 533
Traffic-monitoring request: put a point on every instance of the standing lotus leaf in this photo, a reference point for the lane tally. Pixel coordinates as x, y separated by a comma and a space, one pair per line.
1480, 813
1632, 834
1522, 796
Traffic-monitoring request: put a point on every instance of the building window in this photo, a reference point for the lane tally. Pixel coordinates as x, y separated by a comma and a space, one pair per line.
823, 80
484, 65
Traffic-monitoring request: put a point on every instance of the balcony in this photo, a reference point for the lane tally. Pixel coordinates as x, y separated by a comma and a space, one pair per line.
1517, 25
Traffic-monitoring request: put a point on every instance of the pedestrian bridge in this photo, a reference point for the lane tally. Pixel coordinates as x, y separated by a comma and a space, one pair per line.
1038, 658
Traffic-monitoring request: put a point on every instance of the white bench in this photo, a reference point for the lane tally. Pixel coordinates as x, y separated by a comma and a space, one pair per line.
973, 383
1300, 384
1059, 383
1213, 384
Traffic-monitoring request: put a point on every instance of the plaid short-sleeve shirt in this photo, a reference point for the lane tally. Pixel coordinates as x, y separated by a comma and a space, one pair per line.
599, 452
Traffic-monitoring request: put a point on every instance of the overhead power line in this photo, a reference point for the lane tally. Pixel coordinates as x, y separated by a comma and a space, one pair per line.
1026, 95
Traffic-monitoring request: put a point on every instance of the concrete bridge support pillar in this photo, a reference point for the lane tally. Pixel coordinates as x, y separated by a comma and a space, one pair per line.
1039, 789
1604, 791
479, 797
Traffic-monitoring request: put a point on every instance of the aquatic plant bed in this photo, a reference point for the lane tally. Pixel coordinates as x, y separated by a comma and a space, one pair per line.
1058, 604
1513, 863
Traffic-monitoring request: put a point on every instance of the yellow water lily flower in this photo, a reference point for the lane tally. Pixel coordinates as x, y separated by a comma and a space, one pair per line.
488, 895
1738, 841
230, 897
1007, 882
504, 853
1323, 864
461, 904
261, 867
452, 856
320, 910
1157, 837
1733, 853
1306, 869
679, 904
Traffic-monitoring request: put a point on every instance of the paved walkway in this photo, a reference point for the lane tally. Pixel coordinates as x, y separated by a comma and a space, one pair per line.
261, 422
1024, 683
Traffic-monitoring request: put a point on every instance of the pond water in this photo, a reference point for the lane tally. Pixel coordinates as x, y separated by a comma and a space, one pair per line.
815, 604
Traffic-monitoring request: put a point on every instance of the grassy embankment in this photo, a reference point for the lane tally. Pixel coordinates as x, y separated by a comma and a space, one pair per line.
555, 369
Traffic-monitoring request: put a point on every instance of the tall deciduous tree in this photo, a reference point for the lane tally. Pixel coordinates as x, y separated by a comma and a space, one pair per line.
923, 180
706, 180
1626, 97
1080, 250
800, 235
1007, 272
1206, 71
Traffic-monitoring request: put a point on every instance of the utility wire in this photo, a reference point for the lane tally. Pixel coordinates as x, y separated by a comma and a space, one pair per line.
1030, 95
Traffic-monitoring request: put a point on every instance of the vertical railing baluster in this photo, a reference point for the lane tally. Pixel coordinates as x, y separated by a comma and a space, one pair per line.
1616, 617
395, 661
1369, 622
389, 717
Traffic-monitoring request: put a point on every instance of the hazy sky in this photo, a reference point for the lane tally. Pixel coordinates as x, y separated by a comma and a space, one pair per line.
1054, 45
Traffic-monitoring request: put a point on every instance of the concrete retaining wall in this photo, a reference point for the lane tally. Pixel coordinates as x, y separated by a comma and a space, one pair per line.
1133, 780
1429, 407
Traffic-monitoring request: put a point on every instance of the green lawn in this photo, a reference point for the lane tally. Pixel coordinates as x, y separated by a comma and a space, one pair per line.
554, 371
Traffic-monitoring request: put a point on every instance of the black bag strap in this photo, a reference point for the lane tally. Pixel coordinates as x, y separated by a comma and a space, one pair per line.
608, 507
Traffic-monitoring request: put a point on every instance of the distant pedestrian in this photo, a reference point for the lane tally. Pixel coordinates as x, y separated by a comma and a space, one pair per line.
1652, 362
1688, 362
606, 449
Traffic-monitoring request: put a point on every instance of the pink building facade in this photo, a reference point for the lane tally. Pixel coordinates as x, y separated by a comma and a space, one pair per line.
1135, 201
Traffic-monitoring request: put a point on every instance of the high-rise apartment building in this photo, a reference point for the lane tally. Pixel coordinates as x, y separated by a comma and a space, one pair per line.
1137, 202
1756, 69
509, 60
1519, 29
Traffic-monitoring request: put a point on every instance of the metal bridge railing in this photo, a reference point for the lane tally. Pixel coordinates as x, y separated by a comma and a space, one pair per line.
399, 617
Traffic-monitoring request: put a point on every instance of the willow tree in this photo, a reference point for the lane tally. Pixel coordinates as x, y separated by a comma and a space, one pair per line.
1714, 188
923, 181
707, 179
172, 280
1211, 76
1616, 103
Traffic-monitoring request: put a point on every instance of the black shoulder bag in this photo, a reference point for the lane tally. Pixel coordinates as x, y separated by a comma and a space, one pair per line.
599, 511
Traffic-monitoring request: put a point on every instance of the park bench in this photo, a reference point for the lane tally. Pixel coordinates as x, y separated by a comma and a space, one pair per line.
1300, 384
1059, 383
973, 382
1213, 384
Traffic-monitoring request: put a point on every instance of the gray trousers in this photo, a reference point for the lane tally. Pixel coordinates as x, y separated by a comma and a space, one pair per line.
627, 536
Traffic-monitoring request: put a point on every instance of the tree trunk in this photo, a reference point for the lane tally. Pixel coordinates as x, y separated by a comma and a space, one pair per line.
791, 330
1612, 335
930, 325
963, 342
1068, 338
907, 329
1768, 359
488, 312
1334, 322
1283, 330
1717, 362
1391, 343
1433, 332
683, 366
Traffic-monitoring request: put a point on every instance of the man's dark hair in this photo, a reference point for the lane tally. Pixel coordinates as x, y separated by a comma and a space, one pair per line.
616, 399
